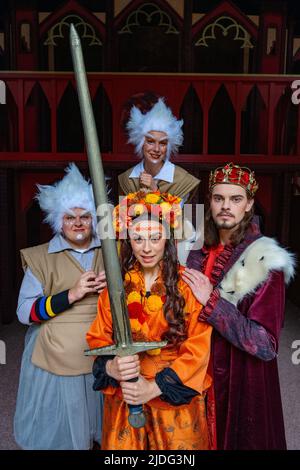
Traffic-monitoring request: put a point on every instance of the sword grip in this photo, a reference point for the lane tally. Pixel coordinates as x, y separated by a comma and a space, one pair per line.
136, 417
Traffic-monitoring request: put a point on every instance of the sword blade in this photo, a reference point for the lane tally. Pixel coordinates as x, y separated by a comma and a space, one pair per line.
121, 325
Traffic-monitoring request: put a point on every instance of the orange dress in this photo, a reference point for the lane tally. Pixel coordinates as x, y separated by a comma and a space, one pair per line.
168, 427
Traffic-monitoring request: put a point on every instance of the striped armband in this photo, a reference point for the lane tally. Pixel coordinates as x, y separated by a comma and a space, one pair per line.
45, 308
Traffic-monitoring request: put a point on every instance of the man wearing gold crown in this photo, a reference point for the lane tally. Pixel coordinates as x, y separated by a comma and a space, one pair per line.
239, 277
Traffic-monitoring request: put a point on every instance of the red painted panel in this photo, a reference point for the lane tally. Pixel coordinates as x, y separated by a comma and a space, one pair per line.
28, 182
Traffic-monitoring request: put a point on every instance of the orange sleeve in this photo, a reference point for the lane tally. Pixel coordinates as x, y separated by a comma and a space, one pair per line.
193, 355
101, 332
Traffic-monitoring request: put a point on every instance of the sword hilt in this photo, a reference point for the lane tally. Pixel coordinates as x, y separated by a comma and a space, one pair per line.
136, 417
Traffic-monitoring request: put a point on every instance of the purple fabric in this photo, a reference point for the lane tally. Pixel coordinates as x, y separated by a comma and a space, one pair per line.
242, 331
247, 393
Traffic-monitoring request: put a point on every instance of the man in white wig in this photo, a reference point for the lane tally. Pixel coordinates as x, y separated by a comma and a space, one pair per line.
56, 406
156, 134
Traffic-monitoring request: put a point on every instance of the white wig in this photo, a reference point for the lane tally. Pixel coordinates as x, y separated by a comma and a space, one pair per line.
70, 192
159, 118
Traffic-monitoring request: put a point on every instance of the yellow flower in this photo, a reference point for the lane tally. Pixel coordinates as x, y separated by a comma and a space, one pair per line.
137, 209
134, 296
165, 207
135, 325
154, 352
154, 303
130, 196
152, 198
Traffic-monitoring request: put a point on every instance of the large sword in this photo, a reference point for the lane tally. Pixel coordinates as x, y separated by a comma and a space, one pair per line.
124, 345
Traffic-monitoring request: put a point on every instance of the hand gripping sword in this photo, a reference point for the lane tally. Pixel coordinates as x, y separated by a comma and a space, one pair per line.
124, 345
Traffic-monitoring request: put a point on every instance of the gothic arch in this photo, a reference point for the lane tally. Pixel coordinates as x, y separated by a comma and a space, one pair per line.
72, 7
147, 36
224, 41
137, 4
54, 33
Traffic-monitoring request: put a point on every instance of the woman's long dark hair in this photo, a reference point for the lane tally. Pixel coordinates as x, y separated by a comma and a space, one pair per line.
211, 233
174, 304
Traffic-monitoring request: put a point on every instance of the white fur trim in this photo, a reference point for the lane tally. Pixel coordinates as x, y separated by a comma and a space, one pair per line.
72, 191
159, 118
253, 267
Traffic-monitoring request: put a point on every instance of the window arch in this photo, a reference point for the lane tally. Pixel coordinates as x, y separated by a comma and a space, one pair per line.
149, 41
224, 46
56, 51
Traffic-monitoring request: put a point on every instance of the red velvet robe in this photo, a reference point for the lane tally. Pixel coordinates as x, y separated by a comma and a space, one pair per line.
246, 388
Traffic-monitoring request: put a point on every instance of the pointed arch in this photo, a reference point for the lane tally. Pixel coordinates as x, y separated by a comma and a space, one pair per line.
103, 118
148, 37
229, 9
161, 5
224, 41
285, 125
221, 124
37, 122
254, 121
9, 131
72, 7
69, 131
54, 32
192, 115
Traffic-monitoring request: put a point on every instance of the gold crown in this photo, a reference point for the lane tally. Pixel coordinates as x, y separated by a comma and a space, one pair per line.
234, 174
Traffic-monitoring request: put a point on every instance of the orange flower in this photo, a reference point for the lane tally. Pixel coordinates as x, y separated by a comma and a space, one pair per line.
135, 325
134, 296
154, 303
173, 199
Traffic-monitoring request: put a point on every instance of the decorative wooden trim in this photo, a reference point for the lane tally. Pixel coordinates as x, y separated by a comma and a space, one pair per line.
72, 7
136, 4
226, 8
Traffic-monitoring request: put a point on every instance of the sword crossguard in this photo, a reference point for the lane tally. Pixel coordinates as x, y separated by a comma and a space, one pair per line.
136, 417
125, 350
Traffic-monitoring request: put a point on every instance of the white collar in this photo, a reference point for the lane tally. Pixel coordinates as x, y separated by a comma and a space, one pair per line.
166, 173
58, 243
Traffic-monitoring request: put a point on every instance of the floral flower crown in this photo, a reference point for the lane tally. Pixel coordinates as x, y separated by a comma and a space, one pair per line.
162, 206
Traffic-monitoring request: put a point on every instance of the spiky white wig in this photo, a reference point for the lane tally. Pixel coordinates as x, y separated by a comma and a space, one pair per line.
159, 118
72, 191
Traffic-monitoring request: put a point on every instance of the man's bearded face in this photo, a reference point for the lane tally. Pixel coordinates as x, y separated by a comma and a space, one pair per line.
229, 204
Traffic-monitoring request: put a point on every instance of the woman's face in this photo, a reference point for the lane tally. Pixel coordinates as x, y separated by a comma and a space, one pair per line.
148, 240
155, 147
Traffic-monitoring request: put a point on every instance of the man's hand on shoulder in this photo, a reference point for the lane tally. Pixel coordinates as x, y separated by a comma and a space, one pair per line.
199, 284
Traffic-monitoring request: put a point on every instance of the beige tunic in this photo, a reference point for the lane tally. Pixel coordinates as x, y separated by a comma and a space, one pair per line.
183, 183
61, 342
